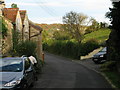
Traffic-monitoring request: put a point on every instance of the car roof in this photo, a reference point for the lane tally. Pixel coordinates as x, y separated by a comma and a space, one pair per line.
11, 58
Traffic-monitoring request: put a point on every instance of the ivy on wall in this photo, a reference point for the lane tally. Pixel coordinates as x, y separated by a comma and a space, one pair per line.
3, 28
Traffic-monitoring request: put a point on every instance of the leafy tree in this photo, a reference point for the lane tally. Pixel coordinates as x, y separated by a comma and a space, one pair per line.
44, 35
114, 38
61, 35
14, 5
94, 26
114, 16
75, 24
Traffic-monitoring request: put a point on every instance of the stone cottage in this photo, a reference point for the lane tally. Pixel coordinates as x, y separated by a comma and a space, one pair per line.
13, 15
25, 24
17, 20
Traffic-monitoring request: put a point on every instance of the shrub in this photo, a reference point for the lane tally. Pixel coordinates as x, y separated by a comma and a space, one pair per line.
64, 48
61, 35
26, 48
89, 46
69, 48
38, 66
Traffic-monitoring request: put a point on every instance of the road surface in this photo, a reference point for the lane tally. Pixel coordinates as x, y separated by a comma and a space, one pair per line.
60, 72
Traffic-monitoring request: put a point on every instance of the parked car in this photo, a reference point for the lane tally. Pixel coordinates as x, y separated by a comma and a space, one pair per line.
16, 72
100, 57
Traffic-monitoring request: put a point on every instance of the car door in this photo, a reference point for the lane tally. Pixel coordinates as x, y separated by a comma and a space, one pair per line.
28, 71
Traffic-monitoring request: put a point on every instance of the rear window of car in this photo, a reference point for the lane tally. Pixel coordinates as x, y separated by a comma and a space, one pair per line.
104, 50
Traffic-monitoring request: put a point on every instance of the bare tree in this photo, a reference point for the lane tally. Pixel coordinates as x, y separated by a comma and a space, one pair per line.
76, 24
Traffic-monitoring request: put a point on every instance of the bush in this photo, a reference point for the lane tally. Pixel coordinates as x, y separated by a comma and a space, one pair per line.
61, 35
26, 48
69, 48
38, 66
89, 46
64, 48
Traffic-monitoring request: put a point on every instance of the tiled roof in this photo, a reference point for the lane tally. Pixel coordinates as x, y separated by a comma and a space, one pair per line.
37, 27
22, 14
10, 13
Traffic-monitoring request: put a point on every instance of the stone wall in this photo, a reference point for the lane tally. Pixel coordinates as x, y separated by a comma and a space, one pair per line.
7, 41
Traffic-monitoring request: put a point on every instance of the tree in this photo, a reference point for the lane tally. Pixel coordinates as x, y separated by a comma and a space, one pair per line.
114, 39
94, 26
44, 35
61, 35
76, 24
14, 5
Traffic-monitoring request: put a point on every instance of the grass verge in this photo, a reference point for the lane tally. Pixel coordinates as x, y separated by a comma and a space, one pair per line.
114, 77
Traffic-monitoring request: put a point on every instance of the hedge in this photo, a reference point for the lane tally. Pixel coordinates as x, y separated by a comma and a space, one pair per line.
70, 49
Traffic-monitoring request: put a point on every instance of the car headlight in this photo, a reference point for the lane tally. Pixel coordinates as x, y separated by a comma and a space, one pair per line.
101, 55
12, 83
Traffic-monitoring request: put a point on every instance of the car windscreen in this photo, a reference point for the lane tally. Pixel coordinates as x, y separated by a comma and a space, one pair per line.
11, 65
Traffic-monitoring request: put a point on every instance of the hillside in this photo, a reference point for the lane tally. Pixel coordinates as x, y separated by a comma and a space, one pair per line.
50, 27
100, 35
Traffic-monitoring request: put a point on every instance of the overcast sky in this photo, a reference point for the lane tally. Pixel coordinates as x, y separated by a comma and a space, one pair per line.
52, 11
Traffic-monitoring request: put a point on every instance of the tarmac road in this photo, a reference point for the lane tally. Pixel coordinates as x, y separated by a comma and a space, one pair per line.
60, 72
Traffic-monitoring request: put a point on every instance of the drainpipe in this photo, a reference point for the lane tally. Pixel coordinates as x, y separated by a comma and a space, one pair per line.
14, 26
29, 32
23, 32
13, 32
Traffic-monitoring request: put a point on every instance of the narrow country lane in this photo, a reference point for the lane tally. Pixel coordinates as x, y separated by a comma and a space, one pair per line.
59, 72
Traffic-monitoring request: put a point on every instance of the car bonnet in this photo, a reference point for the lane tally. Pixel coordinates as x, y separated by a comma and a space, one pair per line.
9, 76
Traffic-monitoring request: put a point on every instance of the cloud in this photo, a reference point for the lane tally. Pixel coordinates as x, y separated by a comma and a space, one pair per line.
115, 0
37, 4
94, 8
66, 3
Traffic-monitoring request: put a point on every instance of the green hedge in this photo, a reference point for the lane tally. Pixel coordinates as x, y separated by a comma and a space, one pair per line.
89, 46
69, 48
27, 48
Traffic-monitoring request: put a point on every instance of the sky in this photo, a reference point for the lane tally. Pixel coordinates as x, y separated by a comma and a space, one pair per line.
52, 11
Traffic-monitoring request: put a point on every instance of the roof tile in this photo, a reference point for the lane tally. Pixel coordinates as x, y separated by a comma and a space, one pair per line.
10, 13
